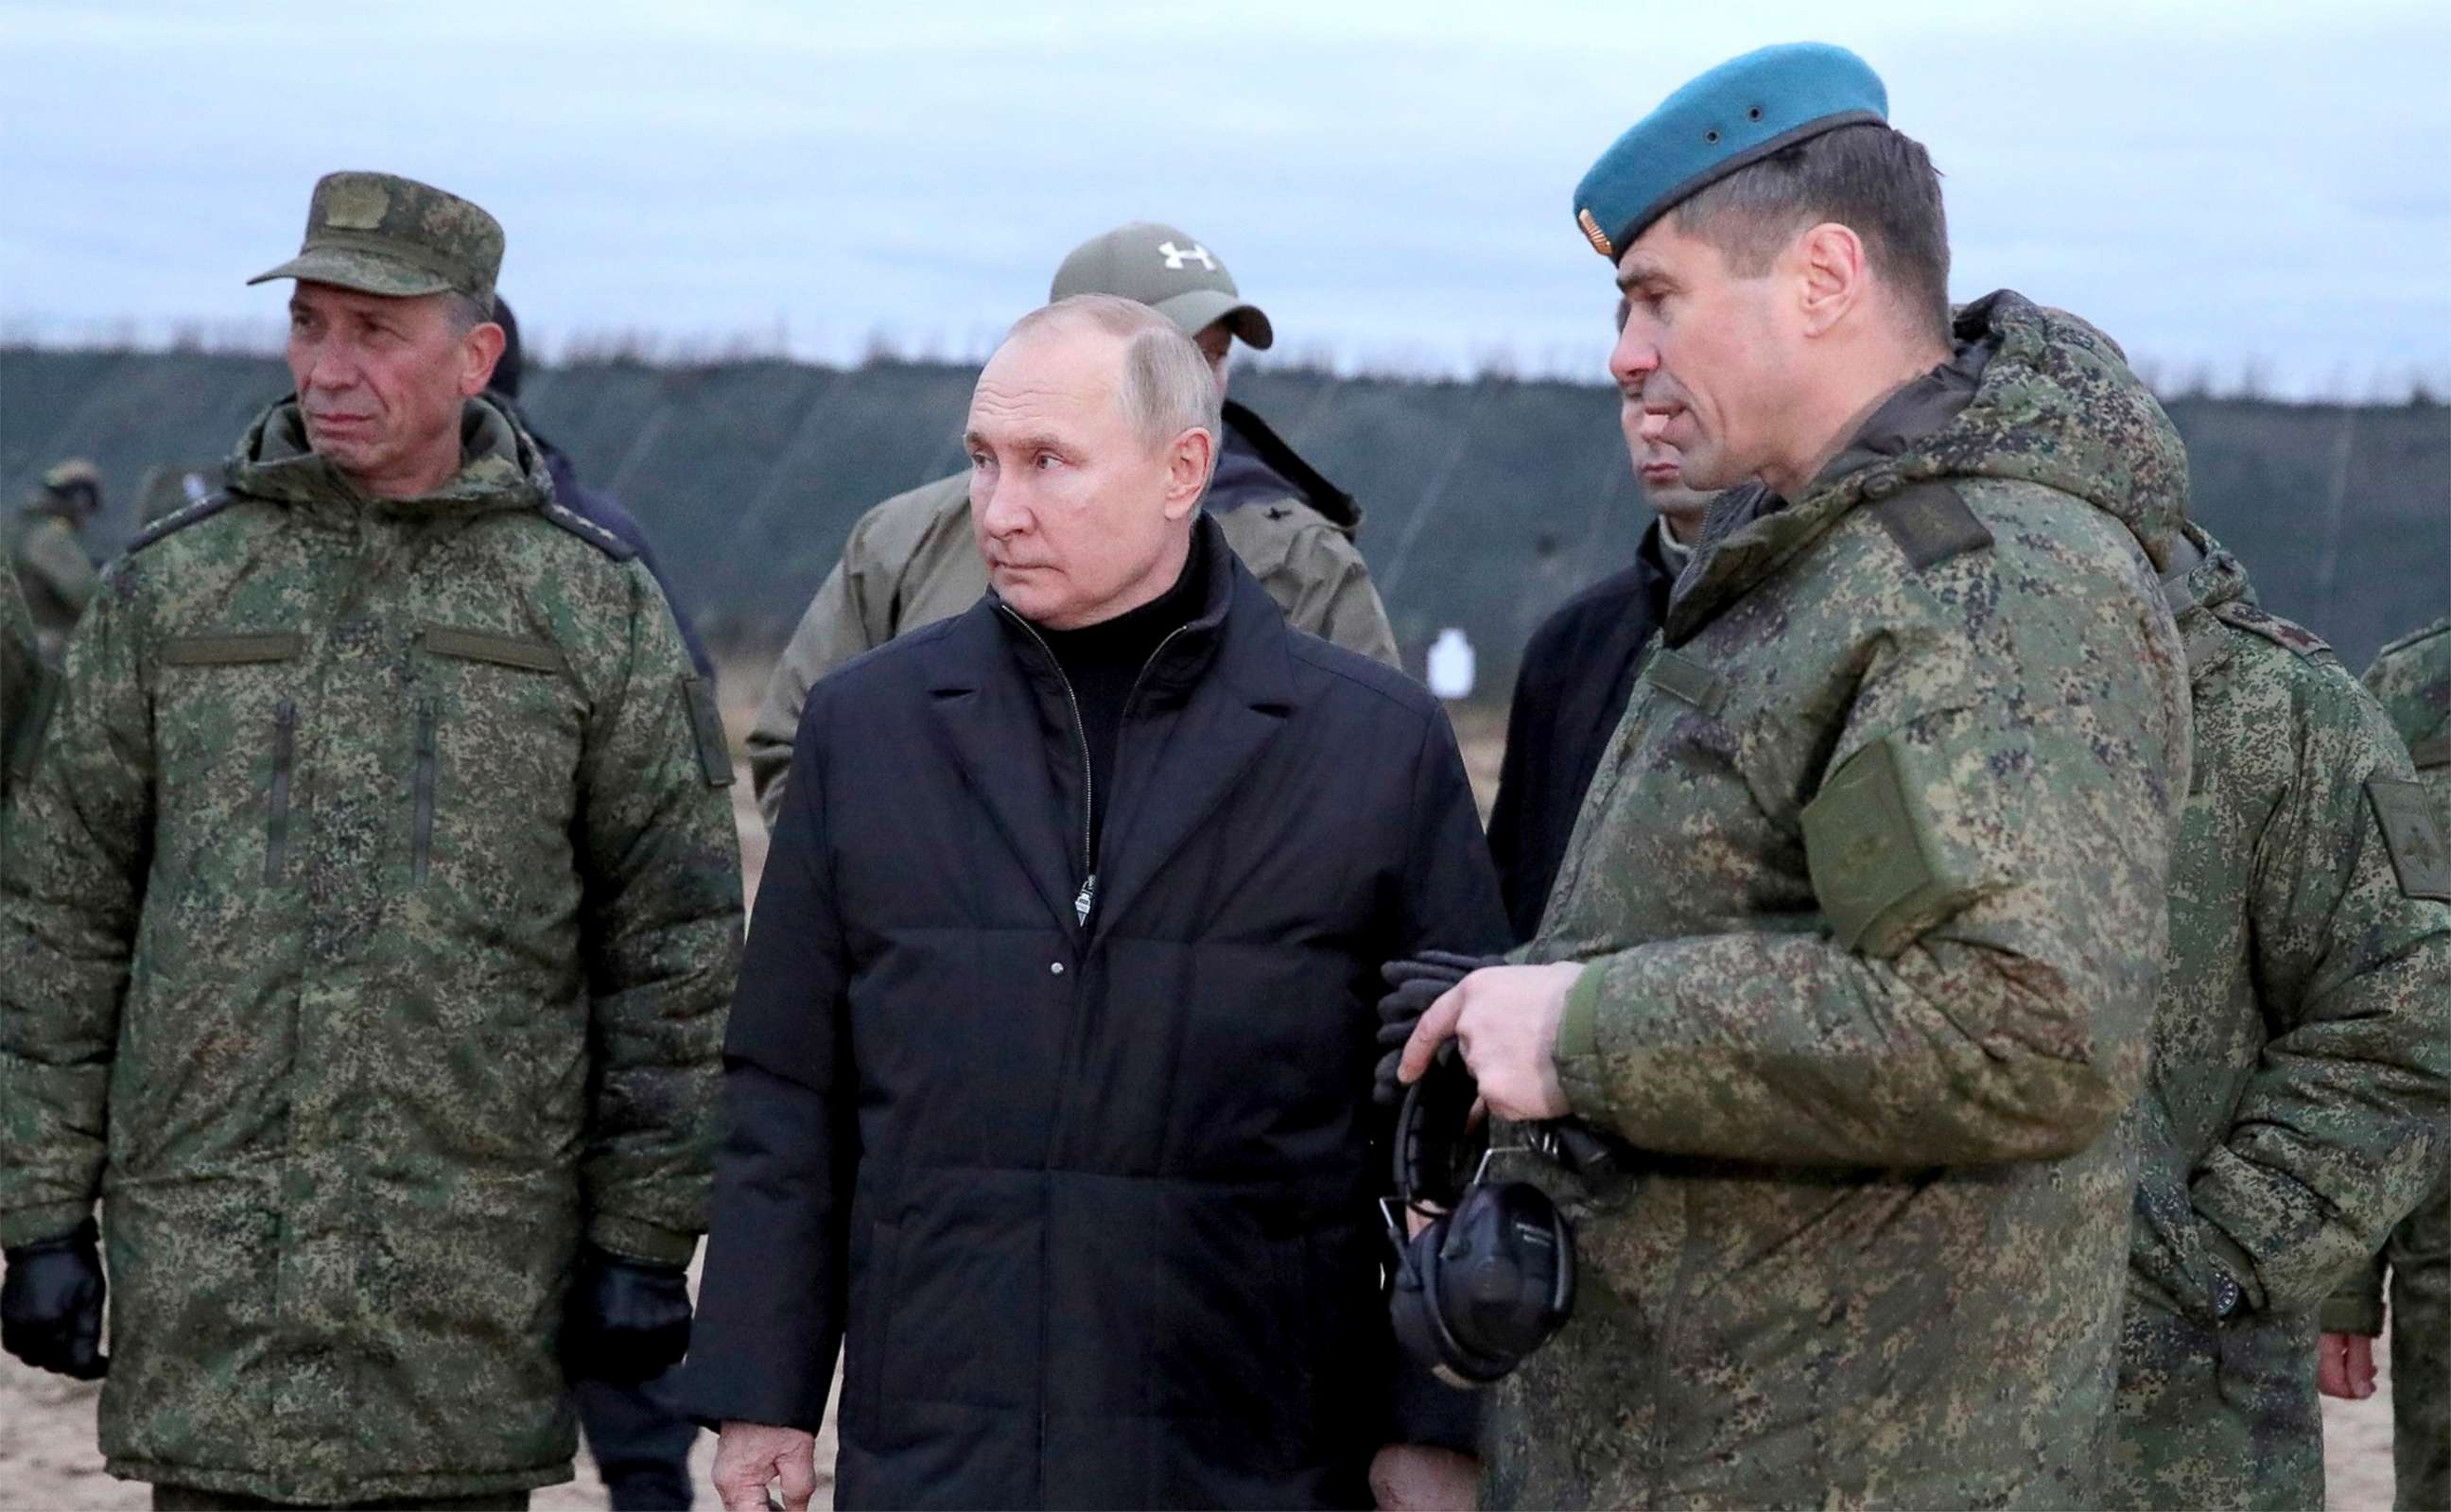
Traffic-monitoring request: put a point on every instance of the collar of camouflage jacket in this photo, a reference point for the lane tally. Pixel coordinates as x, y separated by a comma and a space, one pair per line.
501, 466
2201, 577
2033, 394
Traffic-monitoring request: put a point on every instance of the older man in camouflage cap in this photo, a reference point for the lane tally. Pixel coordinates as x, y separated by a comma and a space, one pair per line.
369, 936
912, 560
1856, 942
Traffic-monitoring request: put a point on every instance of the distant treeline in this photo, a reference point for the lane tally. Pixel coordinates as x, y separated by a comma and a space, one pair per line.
1485, 502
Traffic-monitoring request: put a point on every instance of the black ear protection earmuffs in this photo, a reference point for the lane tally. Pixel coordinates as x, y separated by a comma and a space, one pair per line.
1492, 1277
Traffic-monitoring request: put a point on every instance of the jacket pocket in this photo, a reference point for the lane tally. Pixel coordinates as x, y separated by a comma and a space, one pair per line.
276, 802
490, 645
420, 850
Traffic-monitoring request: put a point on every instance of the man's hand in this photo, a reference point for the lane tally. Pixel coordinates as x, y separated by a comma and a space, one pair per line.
50, 1305
2345, 1366
1506, 1019
1413, 985
627, 1321
1418, 1478
750, 1455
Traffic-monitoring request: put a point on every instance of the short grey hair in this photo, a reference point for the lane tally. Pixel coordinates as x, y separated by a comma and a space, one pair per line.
1167, 387
463, 312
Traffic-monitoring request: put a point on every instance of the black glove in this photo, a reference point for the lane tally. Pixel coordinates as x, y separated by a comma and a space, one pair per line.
627, 1321
1414, 983
50, 1305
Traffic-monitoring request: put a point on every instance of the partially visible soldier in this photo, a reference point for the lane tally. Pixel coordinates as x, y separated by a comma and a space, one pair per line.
588, 503
370, 935
55, 570
641, 1446
2413, 679
911, 559
1856, 942
2302, 1052
1578, 670
21, 683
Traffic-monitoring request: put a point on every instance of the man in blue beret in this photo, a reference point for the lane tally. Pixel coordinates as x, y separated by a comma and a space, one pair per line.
1856, 943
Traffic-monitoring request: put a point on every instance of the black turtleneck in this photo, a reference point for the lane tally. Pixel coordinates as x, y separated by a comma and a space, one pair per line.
1104, 661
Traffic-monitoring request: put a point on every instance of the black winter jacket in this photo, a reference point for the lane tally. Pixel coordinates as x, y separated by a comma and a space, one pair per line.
1093, 1206
1577, 674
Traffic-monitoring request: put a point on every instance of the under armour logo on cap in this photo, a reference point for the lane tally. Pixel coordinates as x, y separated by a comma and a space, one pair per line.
1177, 256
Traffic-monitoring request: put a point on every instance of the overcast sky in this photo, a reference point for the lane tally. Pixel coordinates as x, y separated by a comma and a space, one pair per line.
2217, 184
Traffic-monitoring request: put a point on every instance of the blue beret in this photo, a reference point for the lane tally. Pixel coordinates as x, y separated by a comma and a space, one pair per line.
1740, 112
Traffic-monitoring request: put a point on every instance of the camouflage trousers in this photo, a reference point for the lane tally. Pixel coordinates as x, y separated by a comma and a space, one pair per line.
2216, 1414
196, 1499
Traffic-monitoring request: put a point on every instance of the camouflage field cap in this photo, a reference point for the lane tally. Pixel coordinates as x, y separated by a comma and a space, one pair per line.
1173, 274
379, 233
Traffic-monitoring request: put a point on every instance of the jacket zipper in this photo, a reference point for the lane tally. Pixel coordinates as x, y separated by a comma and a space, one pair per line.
1088, 897
421, 843
276, 808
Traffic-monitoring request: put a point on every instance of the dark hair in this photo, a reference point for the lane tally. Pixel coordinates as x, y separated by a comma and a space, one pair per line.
1877, 182
511, 365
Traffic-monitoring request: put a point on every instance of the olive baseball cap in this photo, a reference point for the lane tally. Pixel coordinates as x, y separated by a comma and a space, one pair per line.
1173, 274
379, 233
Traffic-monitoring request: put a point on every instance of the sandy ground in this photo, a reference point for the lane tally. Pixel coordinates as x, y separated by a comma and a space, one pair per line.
49, 1460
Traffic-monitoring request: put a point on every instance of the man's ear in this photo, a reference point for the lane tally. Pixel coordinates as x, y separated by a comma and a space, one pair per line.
1186, 471
1832, 276
478, 351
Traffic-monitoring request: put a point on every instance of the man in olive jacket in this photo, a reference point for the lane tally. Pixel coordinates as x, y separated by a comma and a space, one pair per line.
367, 928
910, 562
1856, 943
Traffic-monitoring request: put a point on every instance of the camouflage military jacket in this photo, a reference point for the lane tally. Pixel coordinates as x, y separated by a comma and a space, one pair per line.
56, 572
1872, 890
21, 683
2301, 1049
2413, 679
369, 941
912, 560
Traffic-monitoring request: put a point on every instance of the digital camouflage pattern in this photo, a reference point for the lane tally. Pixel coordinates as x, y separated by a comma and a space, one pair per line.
2302, 1048
21, 683
1872, 887
53, 570
370, 940
2413, 679
379, 233
912, 560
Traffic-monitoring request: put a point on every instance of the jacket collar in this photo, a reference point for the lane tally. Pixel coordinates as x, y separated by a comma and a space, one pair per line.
1214, 697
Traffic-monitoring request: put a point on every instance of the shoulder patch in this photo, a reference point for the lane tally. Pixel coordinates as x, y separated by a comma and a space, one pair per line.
2421, 852
1869, 851
2295, 638
588, 531
1930, 523
178, 520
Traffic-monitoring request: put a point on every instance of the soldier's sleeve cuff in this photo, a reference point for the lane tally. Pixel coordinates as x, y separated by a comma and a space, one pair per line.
2342, 1312
637, 1240
42, 1223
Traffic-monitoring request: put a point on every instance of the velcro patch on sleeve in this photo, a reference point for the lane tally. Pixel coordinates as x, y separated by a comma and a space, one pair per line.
1867, 846
2412, 832
706, 723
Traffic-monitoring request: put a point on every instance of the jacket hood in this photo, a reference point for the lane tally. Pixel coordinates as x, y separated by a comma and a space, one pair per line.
2057, 405
501, 466
2031, 394
1255, 464
2201, 575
